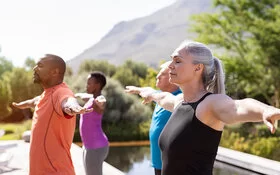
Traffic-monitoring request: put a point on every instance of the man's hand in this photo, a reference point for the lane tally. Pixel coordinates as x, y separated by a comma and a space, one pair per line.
74, 110
71, 107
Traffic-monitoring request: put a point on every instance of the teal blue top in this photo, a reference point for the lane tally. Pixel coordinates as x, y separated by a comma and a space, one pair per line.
159, 119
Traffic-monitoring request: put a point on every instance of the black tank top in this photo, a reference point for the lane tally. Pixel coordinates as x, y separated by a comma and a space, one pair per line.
188, 146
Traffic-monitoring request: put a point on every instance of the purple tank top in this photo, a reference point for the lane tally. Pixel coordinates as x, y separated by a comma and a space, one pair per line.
91, 129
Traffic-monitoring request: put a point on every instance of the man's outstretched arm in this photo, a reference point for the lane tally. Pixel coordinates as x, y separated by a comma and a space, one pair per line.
31, 103
71, 107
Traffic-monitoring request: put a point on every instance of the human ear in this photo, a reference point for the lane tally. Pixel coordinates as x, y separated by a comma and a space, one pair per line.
199, 67
55, 71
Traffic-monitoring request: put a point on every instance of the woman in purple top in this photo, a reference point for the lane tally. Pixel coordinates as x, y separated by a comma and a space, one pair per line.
95, 142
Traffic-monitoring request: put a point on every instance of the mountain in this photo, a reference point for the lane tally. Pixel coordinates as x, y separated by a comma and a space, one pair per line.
148, 39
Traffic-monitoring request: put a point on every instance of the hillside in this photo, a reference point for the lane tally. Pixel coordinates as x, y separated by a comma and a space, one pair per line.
149, 39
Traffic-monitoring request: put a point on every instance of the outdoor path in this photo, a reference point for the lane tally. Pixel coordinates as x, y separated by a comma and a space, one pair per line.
19, 162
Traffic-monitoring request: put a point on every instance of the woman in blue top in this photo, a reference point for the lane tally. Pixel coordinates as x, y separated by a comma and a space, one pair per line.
160, 117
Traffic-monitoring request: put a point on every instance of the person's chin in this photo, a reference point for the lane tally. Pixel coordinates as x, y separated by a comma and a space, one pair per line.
36, 81
172, 80
158, 85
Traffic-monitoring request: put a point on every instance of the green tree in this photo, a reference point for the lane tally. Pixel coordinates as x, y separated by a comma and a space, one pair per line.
68, 71
97, 65
123, 107
245, 33
5, 65
79, 85
150, 80
29, 63
139, 69
131, 72
126, 77
22, 85
5, 96
5, 90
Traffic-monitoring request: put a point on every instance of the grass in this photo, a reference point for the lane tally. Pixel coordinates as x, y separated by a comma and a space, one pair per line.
13, 131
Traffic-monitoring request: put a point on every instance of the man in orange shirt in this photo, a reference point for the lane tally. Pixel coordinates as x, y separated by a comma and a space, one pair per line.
54, 119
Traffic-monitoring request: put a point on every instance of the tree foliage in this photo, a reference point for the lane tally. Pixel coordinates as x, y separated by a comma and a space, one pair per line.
130, 73
126, 77
29, 63
150, 80
139, 69
5, 90
98, 65
22, 85
5, 96
123, 107
5, 65
245, 34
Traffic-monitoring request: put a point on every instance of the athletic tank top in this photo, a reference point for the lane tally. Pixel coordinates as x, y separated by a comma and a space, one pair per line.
91, 130
188, 146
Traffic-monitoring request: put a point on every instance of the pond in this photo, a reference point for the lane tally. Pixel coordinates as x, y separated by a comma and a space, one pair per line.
135, 160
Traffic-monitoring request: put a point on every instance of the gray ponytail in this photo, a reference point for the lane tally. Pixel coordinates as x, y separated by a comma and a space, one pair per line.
215, 80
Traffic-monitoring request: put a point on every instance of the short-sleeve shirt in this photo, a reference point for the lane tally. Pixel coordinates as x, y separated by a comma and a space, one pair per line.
52, 134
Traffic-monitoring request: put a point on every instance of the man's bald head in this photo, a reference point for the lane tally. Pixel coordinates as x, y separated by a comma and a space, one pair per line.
57, 63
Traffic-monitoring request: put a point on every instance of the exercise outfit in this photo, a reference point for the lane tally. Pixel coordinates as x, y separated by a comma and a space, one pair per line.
52, 134
188, 146
95, 142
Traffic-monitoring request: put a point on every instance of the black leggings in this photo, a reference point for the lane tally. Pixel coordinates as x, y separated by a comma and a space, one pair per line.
157, 172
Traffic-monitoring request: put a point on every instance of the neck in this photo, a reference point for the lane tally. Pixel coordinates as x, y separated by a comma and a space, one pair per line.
170, 89
195, 97
193, 93
50, 84
96, 94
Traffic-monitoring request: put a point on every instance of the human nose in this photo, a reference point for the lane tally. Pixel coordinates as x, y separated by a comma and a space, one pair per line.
35, 67
171, 65
157, 77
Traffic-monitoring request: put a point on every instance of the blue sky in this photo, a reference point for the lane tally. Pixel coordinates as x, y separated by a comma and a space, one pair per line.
31, 28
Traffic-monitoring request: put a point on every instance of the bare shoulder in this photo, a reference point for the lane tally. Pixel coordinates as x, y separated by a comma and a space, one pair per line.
209, 109
217, 98
218, 102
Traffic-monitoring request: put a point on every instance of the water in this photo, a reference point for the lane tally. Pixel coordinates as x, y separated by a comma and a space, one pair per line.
135, 160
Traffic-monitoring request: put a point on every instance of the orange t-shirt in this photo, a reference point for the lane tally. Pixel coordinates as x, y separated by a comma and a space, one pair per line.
52, 134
